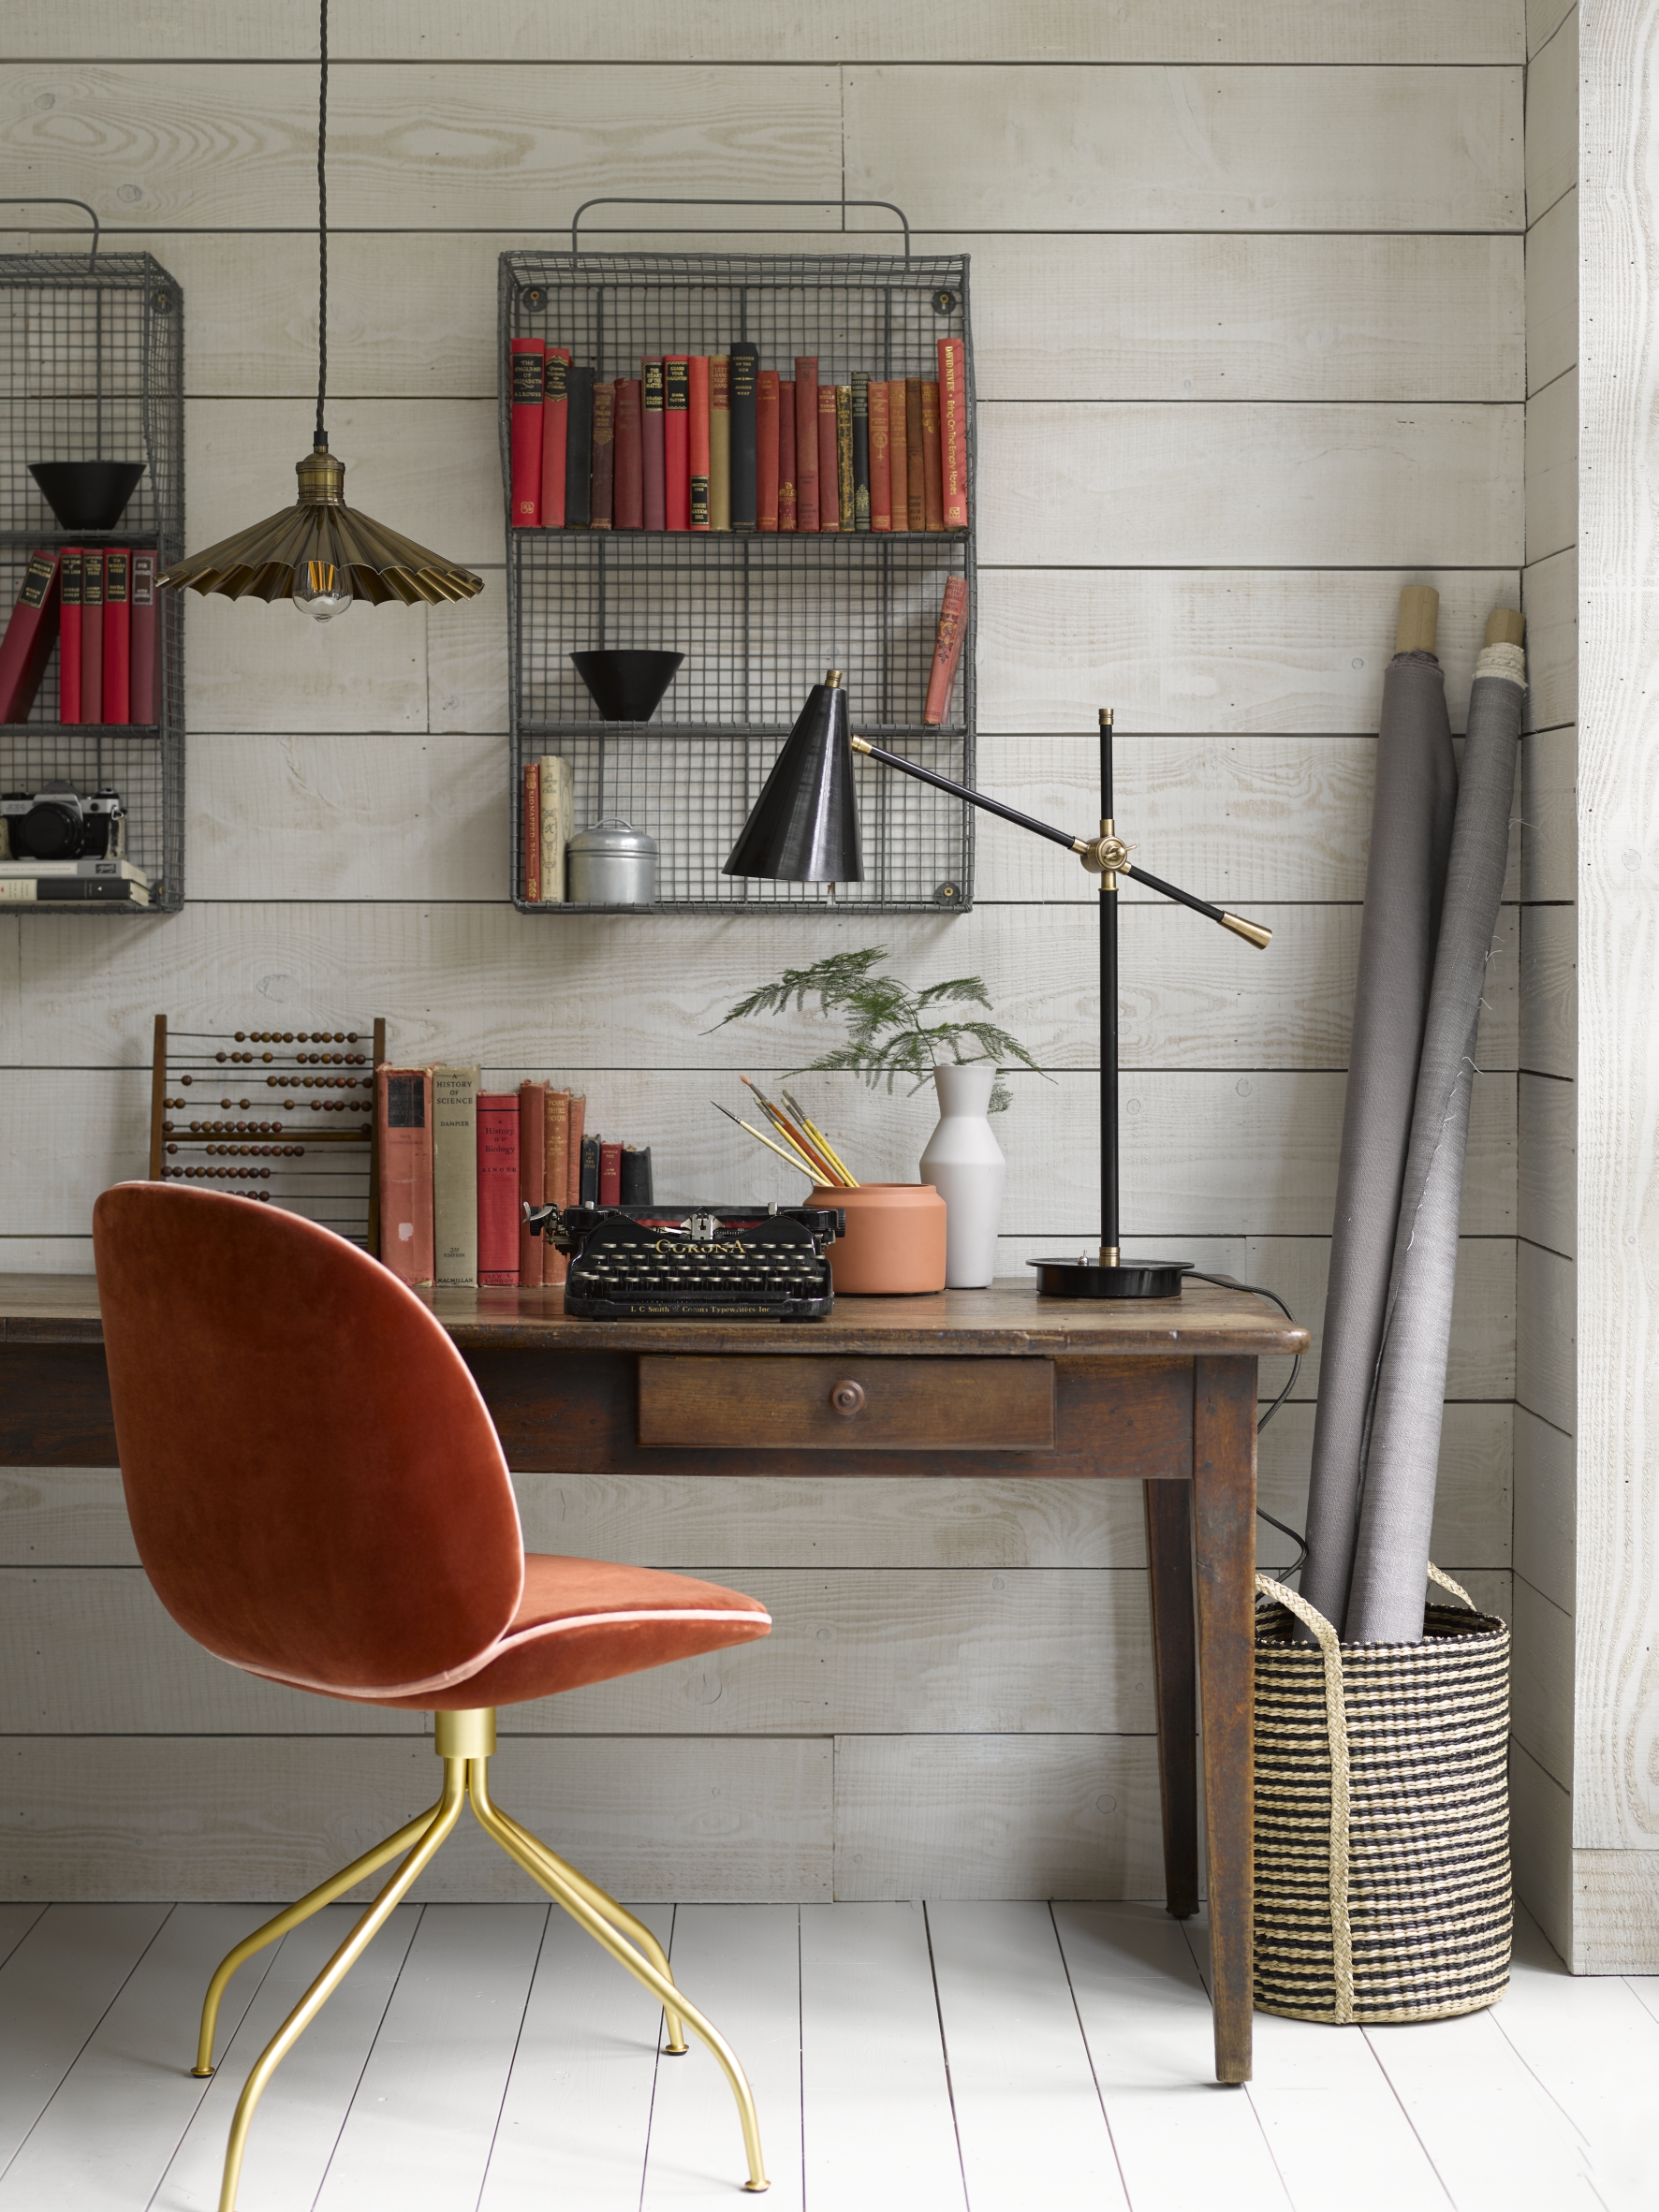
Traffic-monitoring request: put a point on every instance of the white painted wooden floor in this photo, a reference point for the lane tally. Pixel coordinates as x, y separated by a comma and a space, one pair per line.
996, 2058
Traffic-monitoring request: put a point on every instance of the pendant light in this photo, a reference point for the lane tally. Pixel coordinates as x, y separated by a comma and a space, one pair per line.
320, 553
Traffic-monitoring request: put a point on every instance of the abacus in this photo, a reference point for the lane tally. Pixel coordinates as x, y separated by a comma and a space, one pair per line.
283, 1115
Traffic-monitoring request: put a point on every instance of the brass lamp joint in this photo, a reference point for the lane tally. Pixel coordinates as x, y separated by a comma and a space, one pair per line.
1104, 855
322, 479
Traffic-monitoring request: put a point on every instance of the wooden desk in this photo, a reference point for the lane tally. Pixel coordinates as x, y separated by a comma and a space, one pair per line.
994, 1382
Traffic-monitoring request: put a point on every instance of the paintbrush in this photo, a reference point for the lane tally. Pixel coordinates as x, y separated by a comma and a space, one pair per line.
810, 1172
822, 1142
803, 1143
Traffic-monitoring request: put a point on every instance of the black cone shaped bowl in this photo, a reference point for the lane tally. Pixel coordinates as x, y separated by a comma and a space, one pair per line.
87, 495
627, 684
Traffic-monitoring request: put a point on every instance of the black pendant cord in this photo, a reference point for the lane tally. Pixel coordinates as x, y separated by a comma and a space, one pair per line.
1110, 1201
322, 225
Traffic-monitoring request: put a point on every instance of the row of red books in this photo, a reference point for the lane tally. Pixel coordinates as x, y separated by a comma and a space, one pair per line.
100, 604
457, 1165
714, 442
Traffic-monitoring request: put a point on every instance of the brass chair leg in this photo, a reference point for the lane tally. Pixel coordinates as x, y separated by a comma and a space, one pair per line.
539, 1864
607, 1909
324, 1893
438, 1826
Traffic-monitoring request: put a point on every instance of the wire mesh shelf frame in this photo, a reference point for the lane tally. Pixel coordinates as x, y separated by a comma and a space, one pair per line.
758, 617
93, 353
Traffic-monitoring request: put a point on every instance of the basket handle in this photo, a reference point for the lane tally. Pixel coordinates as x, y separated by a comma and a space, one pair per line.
1457, 1588
92, 254
653, 202
1336, 1728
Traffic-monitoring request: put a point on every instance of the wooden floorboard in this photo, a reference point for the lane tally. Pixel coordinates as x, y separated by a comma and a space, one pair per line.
961, 2056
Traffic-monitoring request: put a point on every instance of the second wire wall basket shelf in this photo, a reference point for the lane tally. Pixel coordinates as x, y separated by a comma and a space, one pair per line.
758, 617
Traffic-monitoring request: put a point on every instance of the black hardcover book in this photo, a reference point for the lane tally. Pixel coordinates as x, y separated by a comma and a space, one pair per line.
578, 449
860, 449
590, 1170
636, 1175
745, 362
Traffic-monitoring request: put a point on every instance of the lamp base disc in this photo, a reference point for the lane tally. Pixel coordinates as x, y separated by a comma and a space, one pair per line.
1090, 1278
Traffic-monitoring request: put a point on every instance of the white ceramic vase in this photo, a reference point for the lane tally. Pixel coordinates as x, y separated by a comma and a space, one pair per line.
964, 1163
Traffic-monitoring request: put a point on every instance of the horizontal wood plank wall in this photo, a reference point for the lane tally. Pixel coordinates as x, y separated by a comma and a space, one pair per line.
1547, 1198
1251, 289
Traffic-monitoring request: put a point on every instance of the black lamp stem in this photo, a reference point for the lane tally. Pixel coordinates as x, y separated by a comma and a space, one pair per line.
1109, 1018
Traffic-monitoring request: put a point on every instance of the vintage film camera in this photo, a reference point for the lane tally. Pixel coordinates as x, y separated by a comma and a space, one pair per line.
57, 822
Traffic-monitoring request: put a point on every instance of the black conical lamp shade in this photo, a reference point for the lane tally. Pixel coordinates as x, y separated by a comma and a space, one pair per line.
803, 828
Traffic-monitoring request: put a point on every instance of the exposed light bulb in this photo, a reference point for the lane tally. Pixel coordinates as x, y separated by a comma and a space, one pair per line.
321, 590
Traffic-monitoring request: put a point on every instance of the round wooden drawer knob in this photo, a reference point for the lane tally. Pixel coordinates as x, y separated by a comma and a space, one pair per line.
848, 1399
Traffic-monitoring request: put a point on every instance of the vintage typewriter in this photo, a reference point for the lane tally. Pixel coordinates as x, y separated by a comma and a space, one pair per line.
714, 1263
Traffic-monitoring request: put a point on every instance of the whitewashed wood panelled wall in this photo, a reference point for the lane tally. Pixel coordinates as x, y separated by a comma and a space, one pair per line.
1250, 298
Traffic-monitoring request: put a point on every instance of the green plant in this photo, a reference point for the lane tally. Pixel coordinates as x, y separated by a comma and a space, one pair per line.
889, 1031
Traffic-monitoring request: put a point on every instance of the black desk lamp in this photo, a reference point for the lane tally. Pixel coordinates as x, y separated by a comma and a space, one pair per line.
803, 828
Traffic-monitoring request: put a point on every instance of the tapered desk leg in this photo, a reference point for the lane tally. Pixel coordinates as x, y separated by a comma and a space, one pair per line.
1224, 1501
1170, 1549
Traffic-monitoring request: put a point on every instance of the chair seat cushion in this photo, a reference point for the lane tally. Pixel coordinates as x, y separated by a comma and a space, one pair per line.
588, 1621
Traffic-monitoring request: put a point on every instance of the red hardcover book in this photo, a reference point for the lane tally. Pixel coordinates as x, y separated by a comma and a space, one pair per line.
947, 650
651, 405
498, 1189
92, 635
630, 456
533, 1143
553, 1263
610, 1173
953, 432
789, 512
932, 475
70, 635
677, 441
604, 456
765, 450
881, 487
916, 504
806, 441
829, 461
29, 638
529, 372
531, 834
146, 698
697, 438
555, 429
402, 1129
118, 633
897, 455
578, 1114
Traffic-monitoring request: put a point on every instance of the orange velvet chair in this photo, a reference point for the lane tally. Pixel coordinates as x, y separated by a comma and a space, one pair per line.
319, 1497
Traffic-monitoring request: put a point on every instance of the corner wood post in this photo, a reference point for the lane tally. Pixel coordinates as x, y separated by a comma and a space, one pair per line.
1169, 1555
1224, 1501
157, 1097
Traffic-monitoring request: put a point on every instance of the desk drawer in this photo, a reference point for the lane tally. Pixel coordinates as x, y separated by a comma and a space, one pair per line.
829, 1404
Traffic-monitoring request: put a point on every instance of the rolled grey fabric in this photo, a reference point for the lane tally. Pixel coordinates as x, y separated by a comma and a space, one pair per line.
1411, 829
1403, 1449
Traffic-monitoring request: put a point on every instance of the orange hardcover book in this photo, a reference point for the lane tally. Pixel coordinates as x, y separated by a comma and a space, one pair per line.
829, 461
555, 1175
532, 835
578, 1114
953, 432
806, 441
402, 1130
533, 1140
932, 477
765, 450
698, 436
881, 493
898, 454
948, 650
915, 499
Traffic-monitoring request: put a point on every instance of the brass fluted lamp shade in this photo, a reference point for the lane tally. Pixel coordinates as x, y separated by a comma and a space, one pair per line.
322, 554
803, 828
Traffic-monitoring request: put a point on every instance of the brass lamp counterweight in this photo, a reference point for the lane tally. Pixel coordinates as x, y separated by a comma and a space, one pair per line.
804, 828
318, 552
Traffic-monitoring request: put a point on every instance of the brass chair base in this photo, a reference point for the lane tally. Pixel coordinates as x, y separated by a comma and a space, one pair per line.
465, 1742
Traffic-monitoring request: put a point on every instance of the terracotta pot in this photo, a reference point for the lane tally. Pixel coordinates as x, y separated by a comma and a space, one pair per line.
894, 1242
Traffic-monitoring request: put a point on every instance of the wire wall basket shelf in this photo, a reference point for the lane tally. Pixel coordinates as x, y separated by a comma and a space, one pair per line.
757, 617
92, 353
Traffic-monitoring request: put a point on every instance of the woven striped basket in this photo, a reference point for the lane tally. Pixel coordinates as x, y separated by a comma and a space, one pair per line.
1382, 1816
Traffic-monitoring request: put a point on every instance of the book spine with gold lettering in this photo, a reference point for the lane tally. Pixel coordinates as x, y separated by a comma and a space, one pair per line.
720, 440
829, 468
765, 450
953, 432
602, 513
677, 440
745, 368
881, 498
806, 441
651, 406
932, 475
787, 510
916, 498
528, 373
860, 457
555, 415
697, 438
843, 454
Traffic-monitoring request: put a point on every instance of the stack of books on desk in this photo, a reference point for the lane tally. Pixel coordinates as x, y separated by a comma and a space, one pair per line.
458, 1165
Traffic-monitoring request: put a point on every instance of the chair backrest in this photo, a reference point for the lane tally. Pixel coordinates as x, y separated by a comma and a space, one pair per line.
316, 1485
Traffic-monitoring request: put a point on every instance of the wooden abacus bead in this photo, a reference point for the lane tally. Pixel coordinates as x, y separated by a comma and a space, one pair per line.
239, 1039
172, 1147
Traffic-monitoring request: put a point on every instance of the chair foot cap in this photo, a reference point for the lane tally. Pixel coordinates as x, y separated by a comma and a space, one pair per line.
202, 2073
676, 2050
757, 2189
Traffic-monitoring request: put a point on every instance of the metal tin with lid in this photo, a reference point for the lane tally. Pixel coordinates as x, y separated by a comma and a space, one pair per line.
611, 863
